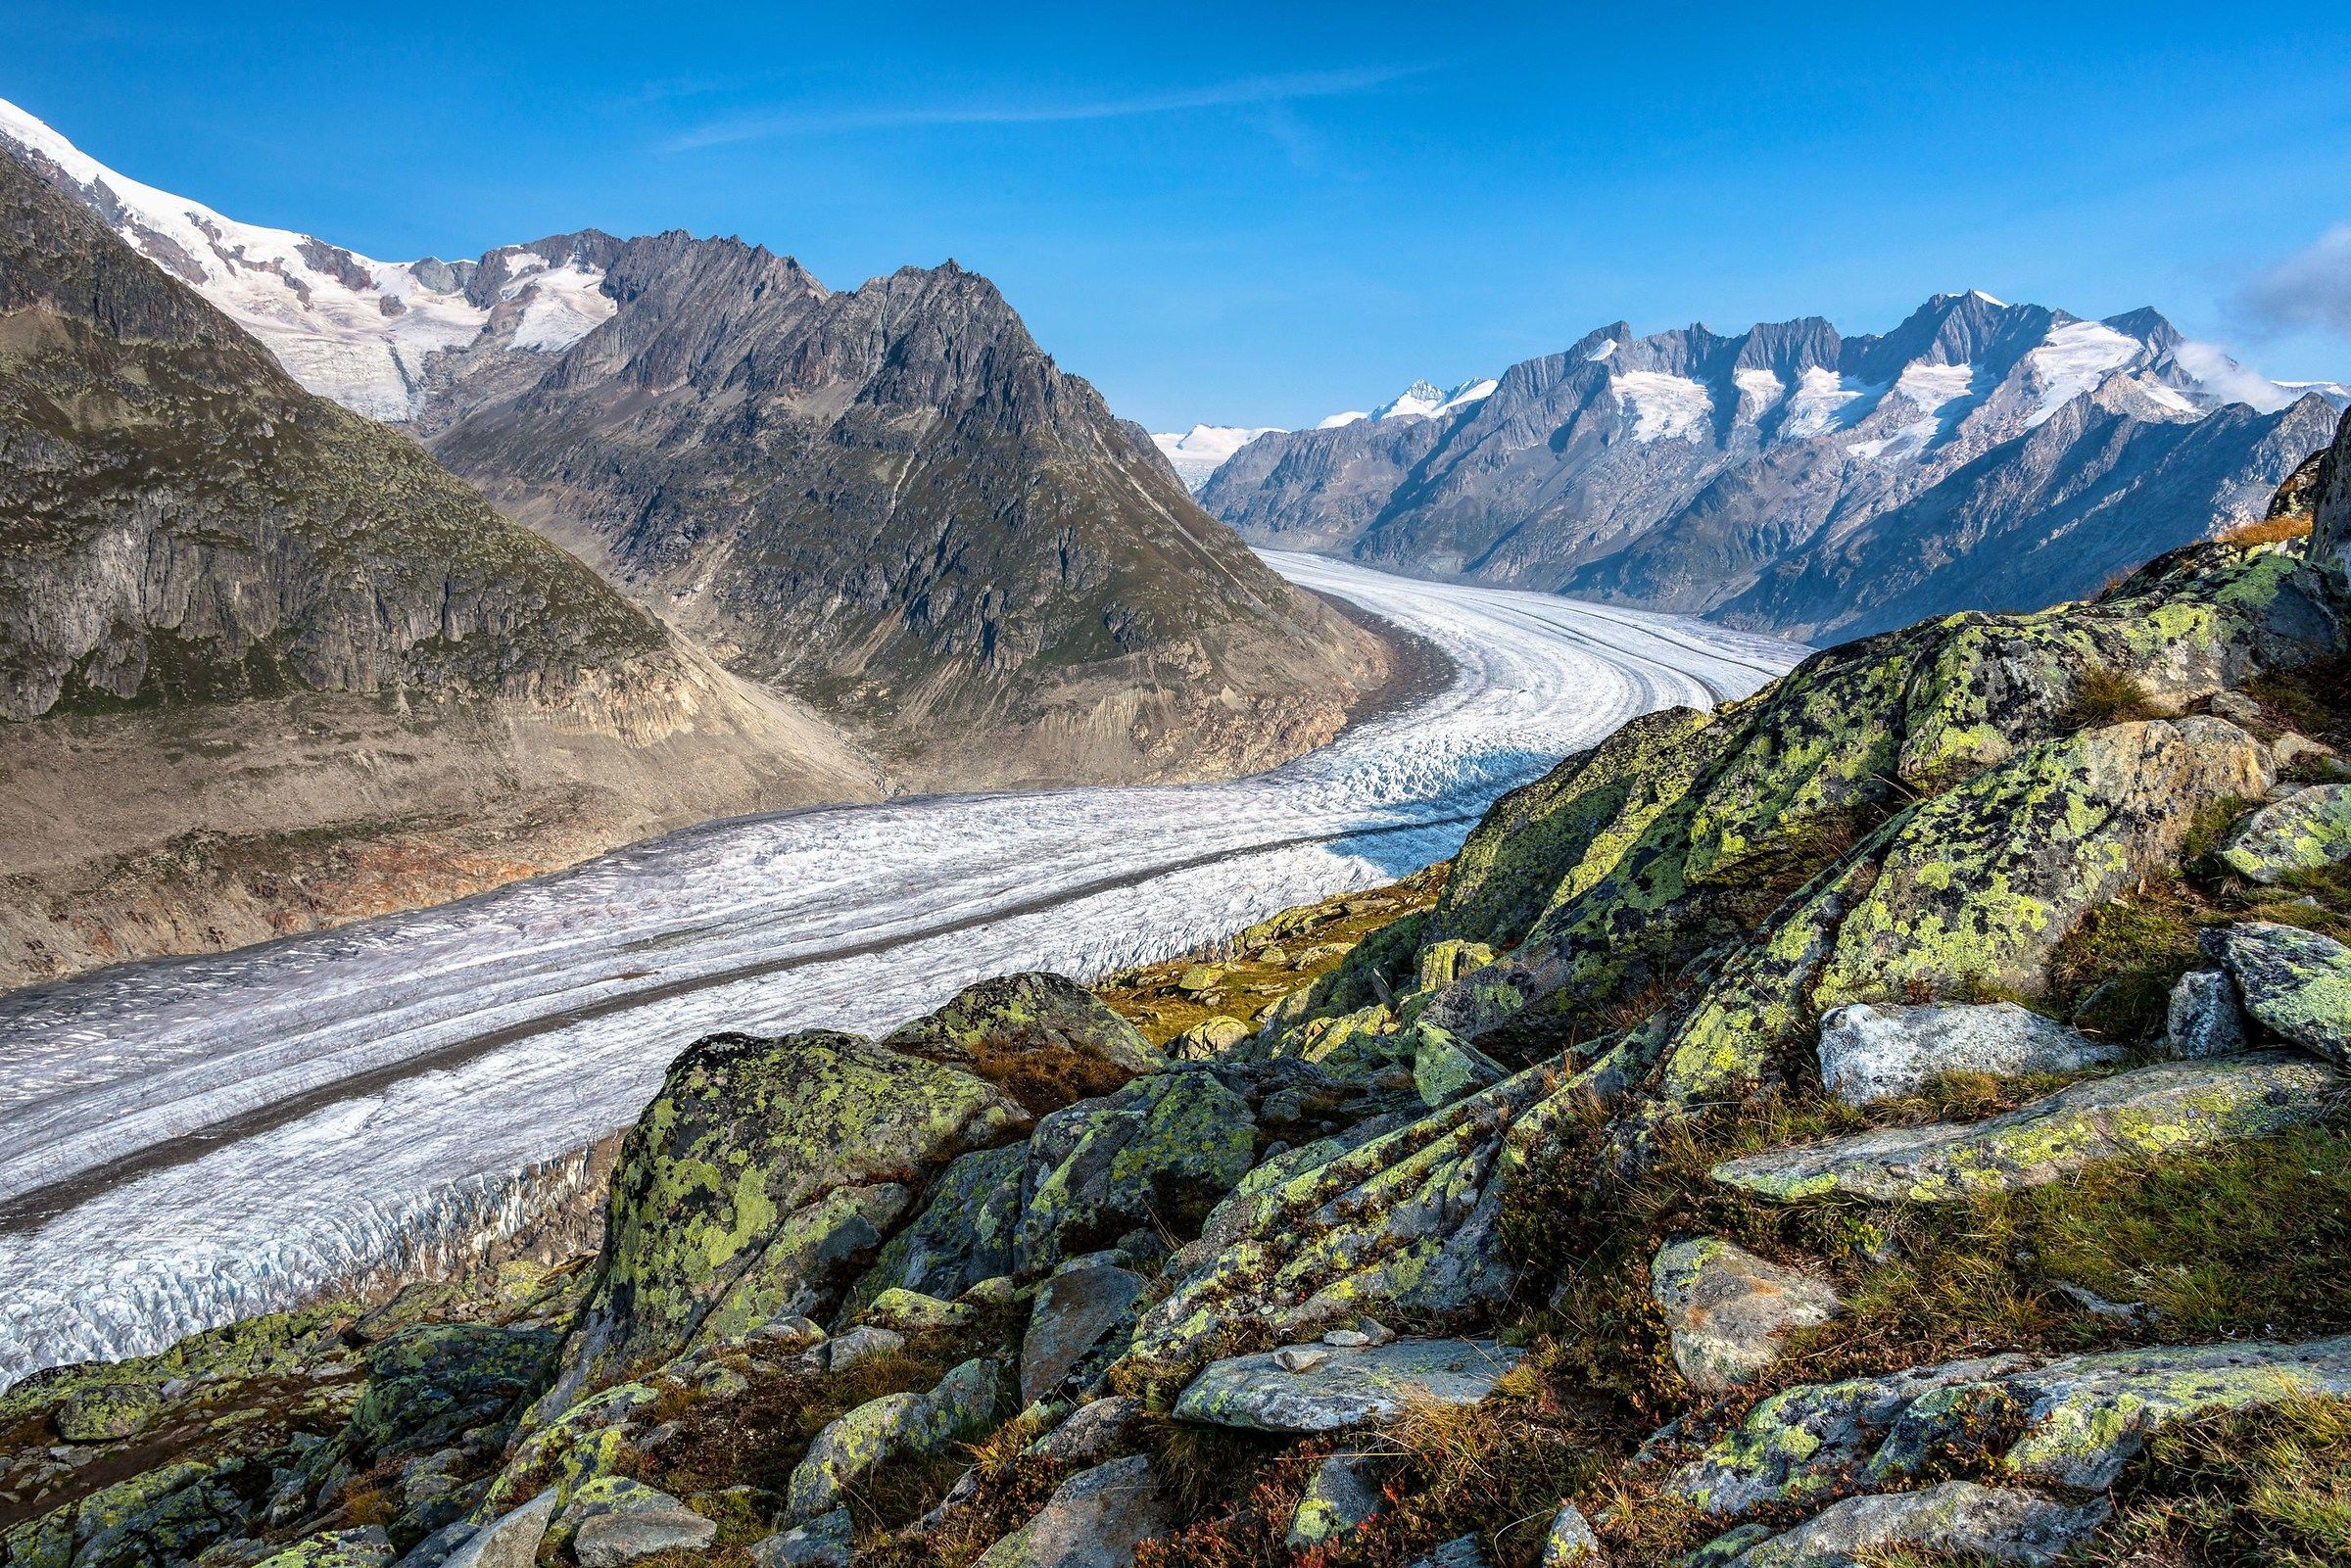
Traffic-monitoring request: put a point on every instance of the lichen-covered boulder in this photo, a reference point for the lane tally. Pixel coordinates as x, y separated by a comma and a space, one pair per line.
1095, 1519
1209, 1038
1164, 1148
2073, 1422
428, 1386
2147, 1112
824, 1542
759, 1175
1961, 1518
878, 1431
2307, 831
964, 1233
1570, 1541
2202, 1019
1445, 1067
366, 1547
2329, 546
1074, 1312
1870, 1053
1342, 1497
1090, 1430
623, 1534
1033, 1035
511, 1541
1316, 1388
1727, 1309
909, 1312
2297, 984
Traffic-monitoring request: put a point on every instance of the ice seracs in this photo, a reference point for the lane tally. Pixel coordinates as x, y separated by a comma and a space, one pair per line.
1202, 450
346, 327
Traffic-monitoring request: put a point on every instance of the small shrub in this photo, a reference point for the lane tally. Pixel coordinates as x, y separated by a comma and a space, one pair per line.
2269, 531
2104, 697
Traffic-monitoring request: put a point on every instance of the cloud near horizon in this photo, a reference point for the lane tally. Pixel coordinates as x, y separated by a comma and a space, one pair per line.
2311, 288
1239, 92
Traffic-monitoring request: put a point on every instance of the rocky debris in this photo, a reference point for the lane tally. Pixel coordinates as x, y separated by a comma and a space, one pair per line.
511, 1541
1011, 1029
1569, 1542
1095, 1519
2202, 1017
896, 1424
2073, 1422
1336, 1387
1075, 1310
2296, 983
907, 1311
1459, 1552
366, 1547
428, 1386
822, 1543
1444, 1068
965, 1231
2309, 830
1212, 1037
1877, 1052
1341, 1499
1090, 1430
623, 1534
762, 1171
1727, 1309
2147, 1112
1165, 1146
1977, 1523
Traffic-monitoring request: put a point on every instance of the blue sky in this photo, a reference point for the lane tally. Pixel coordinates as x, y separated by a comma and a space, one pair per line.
1263, 214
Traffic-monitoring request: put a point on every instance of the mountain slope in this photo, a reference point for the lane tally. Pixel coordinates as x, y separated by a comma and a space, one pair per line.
264, 664
892, 503
1677, 470
889, 502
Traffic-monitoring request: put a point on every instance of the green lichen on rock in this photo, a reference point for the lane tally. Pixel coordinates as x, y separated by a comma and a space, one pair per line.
757, 1173
366, 1547
964, 1234
1166, 1147
2297, 984
2148, 1111
891, 1427
2307, 831
430, 1385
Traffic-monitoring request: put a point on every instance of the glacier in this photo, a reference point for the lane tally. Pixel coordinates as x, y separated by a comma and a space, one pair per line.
187, 1142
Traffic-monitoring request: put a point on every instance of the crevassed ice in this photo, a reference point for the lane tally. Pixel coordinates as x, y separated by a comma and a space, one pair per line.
1663, 405
595, 978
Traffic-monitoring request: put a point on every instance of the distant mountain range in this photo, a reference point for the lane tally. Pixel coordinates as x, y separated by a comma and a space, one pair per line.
1201, 450
888, 502
1793, 479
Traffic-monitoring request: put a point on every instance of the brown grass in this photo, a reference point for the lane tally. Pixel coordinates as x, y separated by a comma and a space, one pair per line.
2269, 531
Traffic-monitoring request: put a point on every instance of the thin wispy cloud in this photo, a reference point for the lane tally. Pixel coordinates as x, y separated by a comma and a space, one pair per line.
1237, 92
2311, 288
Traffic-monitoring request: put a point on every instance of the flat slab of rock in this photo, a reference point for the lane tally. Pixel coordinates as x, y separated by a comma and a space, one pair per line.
824, 1542
1090, 1430
1959, 1518
1075, 1309
511, 1541
2072, 1423
608, 1540
2307, 830
2174, 1104
1871, 1052
1095, 1519
1728, 1309
1343, 1387
2296, 982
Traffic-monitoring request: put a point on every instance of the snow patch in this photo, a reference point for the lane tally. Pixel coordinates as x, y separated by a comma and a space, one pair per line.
1201, 450
1664, 406
1825, 401
2073, 359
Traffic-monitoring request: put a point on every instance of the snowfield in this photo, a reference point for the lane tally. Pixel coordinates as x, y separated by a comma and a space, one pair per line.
190, 1141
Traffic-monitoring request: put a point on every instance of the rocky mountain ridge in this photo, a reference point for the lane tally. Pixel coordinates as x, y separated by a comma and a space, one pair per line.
1896, 1116
249, 639
1794, 479
888, 502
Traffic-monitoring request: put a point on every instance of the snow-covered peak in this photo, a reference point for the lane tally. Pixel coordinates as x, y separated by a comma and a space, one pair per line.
344, 326
1202, 450
1422, 401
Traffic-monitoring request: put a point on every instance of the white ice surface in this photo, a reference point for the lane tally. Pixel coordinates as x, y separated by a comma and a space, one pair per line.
1664, 406
2074, 360
1824, 400
593, 979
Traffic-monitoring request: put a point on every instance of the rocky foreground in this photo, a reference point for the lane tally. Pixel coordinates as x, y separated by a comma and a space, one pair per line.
1898, 1117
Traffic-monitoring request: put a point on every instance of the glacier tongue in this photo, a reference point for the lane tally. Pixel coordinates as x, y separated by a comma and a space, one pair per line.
191, 1141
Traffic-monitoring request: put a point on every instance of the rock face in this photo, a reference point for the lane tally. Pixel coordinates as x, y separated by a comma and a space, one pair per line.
1790, 477
891, 1427
1872, 1053
1727, 1309
2147, 1112
760, 1176
2202, 1019
1038, 1036
255, 635
1095, 1519
1076, 1309
2297, 984
2307, 831
892, 503
1325, 1389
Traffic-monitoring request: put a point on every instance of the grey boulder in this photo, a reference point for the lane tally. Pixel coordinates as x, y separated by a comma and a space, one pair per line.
2296, 982
1321, 1388
1728, 1309
1076, 1309
1959, 1518
510, 1542
2307, 831
608, 1540
822, 1543
2202, 1017
1095, 1519
1876, 1052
